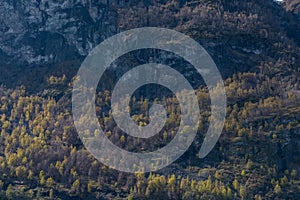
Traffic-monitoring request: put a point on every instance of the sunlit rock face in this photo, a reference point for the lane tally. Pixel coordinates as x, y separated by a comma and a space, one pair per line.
51, 31
292, 6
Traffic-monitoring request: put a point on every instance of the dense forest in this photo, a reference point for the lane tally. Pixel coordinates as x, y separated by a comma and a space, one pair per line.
256, 46
256, 157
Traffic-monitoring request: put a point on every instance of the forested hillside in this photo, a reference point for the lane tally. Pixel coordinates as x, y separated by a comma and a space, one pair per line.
256, 46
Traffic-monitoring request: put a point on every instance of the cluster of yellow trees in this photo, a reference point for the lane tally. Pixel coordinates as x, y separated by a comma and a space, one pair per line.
40, 151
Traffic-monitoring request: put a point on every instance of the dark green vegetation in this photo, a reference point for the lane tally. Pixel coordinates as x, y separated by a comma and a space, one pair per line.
256, 46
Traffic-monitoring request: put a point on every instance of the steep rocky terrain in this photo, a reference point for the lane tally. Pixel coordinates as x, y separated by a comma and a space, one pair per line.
256, 45
43, 32
44, 37
238, 35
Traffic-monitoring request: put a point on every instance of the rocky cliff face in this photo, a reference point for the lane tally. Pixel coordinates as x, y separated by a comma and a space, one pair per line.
42, 31
239, 35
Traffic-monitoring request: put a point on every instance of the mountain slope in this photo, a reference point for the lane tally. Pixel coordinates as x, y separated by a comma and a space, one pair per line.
41, 37
256, 47
43, 32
